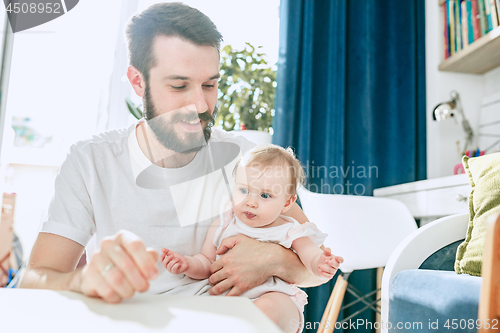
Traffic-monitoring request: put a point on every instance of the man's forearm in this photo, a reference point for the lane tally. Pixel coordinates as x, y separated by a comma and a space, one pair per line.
47, 278
289, 268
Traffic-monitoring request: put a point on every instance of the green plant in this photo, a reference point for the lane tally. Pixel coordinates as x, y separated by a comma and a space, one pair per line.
246, 89
135, 110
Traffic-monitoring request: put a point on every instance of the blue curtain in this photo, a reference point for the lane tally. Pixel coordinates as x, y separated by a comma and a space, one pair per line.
351, 101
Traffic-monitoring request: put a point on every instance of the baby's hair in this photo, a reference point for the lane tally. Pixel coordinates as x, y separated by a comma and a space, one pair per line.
270, 155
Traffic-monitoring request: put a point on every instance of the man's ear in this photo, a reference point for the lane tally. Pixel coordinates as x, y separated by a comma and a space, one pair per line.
137, 80
289, 203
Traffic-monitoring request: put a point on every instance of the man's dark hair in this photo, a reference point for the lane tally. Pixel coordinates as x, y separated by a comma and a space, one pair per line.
168, 19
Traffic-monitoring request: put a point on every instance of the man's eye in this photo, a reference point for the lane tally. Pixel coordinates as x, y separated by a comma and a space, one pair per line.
209, 85
244, 190
265, 195
178, 87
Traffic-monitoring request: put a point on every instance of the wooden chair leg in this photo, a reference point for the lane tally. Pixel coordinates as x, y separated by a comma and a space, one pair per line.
337, 303
329, 305
332, 310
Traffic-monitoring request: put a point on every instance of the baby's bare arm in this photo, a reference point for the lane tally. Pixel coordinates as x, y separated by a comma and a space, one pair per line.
199, 264
308, 253
199, 267
320, 262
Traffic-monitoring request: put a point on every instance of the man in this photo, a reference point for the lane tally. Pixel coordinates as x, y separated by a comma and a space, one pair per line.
141, 187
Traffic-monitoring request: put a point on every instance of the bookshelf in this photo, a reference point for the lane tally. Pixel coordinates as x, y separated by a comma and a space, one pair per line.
478, 57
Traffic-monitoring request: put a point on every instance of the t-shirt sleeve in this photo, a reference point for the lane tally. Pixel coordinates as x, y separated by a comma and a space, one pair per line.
307, 229
70, 212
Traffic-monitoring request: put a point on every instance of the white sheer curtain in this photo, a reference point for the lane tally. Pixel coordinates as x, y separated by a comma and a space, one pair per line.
113, 112
62, 78
7, 43
61, 73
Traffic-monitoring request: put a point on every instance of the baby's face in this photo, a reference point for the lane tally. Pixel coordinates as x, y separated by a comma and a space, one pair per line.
261, 195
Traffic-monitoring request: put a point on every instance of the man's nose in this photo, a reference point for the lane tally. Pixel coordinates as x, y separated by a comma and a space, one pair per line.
200, 101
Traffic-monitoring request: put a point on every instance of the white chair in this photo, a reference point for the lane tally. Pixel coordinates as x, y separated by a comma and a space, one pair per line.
417, 247
363, 230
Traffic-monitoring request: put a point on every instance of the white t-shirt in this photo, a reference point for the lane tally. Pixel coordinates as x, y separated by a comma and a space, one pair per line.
107, 184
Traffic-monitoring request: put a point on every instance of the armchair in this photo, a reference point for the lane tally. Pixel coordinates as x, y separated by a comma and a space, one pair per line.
439, 298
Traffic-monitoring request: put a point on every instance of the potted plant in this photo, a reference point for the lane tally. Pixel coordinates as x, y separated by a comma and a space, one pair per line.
246, 93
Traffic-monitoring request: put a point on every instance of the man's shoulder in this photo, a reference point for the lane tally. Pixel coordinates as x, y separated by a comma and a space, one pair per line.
101, 145
117, 136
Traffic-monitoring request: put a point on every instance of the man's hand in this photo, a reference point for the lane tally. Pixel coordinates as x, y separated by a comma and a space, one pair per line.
174, 262
247, 265
121, 267
328, 263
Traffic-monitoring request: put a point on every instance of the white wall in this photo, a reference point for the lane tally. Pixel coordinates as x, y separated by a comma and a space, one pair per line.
442, 152
492, 81
256, 21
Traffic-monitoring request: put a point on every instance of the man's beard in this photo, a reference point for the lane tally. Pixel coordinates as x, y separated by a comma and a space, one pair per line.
165, 130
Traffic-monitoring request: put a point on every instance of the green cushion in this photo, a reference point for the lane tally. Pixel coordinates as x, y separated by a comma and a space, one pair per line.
484, 200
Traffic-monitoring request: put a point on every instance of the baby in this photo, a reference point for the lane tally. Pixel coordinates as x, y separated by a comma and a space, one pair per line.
266, 179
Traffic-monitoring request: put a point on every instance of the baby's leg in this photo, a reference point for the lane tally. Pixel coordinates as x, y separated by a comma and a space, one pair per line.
281, 309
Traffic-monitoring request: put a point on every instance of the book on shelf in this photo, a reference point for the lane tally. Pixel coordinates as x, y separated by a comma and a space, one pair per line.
497, 2
458, 26
465, 21
446, 29
494, 14
475, 19
470, 29
482, 17
451, 18
487, 11
465, 29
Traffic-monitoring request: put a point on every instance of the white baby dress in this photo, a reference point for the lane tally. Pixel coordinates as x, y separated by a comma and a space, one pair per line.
284, 235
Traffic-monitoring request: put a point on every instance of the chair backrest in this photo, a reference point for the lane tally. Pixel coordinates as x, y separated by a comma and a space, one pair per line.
363, 230
416, 248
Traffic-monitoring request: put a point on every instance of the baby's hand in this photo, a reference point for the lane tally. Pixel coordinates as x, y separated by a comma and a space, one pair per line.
174, 262
328, 263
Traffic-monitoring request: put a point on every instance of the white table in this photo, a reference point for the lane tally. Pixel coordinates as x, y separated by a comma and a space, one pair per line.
430, 199
28, 310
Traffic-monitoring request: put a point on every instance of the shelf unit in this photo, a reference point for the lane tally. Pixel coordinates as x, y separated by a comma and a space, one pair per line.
479, 57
